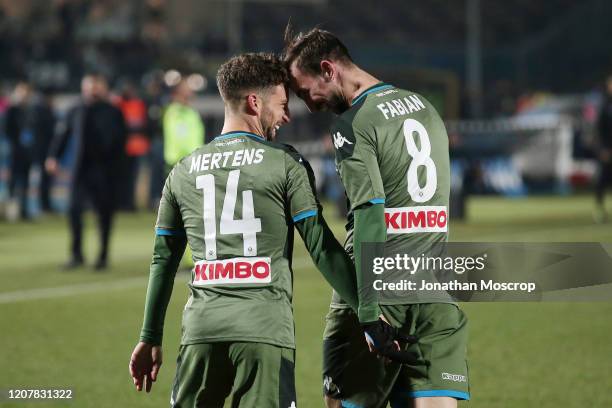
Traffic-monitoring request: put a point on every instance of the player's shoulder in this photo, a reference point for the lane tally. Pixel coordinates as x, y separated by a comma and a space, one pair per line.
363, 113
292, 153
186, 160
285, 150
392, 97
393, 104
350, 126
293, 158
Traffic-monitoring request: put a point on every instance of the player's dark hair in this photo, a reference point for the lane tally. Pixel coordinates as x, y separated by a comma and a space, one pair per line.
95, 75
308, 50
249, 72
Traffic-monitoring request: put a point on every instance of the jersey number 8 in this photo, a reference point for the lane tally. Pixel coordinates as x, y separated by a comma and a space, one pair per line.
413, 128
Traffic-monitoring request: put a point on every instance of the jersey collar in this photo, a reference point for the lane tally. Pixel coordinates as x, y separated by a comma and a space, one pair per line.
238, 133
376, 88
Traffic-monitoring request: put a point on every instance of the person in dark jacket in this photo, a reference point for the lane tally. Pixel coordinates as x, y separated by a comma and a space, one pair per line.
98, 132
604, 155
30, 123
20, 133
44, 125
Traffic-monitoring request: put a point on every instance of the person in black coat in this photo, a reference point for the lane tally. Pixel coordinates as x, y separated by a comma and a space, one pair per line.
98, 132
20, 132
604, 155
44, 125
30, 124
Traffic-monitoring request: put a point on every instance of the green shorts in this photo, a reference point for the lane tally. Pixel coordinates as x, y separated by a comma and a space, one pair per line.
354, 375
254, 374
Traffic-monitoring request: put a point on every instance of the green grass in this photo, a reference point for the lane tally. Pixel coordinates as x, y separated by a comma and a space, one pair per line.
520, 355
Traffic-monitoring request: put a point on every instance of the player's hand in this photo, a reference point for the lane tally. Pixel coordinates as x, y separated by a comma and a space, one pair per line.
383, 339
51, 166
370, 340
144, 365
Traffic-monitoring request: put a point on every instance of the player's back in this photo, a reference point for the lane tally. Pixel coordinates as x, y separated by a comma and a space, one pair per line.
409, 141
237, 204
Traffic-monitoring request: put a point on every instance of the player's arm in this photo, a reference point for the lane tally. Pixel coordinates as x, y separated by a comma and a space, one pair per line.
170, 242
358, 168
306, 213
369, 226
357, 162
167, 254
329, 256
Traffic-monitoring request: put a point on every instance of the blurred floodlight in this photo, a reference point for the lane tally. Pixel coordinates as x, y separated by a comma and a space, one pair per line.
172, 77
196, 82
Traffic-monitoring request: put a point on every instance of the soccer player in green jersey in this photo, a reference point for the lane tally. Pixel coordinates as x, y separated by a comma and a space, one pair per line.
235, 201
392, 157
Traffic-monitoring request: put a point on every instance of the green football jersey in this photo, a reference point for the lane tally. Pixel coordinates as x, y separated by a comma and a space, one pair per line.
392, 148
236, 198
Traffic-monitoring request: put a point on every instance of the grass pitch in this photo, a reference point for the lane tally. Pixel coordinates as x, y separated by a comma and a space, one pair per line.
77, 329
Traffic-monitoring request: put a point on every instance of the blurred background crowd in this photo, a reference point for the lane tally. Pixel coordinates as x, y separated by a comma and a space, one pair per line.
521, 85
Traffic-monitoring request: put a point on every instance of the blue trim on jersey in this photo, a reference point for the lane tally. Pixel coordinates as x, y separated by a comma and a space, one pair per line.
440, 393
377, 201
304, 214
169, 232
369, 91
370, 339
347, 404
237, 133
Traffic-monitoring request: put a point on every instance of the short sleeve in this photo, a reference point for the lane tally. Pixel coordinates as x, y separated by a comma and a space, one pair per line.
301, 191
169, 220
357, 164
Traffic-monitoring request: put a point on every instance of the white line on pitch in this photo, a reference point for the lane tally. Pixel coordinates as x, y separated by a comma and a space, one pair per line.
83, 288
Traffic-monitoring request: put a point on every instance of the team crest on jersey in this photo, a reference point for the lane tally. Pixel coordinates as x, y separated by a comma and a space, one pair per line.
344, 145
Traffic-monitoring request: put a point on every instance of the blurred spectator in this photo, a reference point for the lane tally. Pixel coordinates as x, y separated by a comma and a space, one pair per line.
605, 152
29, 123
44, 126
155, 101
4, 149
98, 132
154, 28
332, 188
20, 130
138, 143
108, 20
182, 126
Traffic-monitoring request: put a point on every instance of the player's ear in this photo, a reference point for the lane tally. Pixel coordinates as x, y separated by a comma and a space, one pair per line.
253, 104
328, 70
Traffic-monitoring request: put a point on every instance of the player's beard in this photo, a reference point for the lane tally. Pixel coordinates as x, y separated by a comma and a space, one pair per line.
337, 104
268, 124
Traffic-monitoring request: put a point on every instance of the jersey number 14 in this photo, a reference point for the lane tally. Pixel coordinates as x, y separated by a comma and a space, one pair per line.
248, 226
